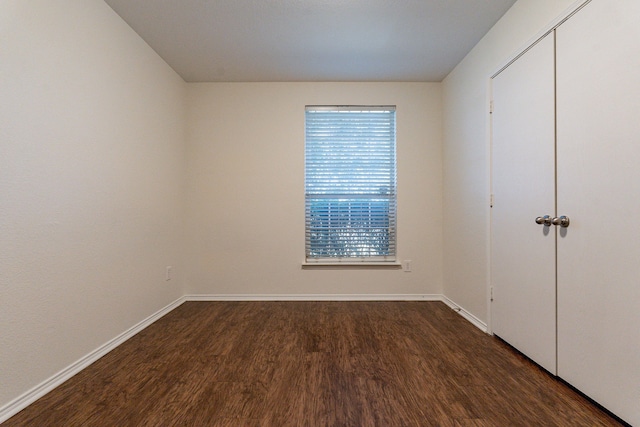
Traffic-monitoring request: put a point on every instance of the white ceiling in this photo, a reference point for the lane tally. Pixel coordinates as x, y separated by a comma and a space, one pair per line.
311, 40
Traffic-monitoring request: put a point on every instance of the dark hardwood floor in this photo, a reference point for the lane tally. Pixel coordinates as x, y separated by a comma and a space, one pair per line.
312, 364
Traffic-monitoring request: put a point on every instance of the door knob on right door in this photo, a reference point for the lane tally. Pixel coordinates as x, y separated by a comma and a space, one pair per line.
562, 221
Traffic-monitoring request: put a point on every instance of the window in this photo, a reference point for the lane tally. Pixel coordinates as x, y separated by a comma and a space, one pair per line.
350, 184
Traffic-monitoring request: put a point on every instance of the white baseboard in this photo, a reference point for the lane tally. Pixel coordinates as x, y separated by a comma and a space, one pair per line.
464, 313
314, 297
46, 386
26, 399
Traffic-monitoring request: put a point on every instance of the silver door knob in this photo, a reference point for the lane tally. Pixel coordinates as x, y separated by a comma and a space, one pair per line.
544, 220
562, 221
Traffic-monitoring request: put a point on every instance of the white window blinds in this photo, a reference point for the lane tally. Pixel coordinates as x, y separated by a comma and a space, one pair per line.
350, 184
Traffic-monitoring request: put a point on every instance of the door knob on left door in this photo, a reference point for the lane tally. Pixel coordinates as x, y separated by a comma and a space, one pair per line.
562, 221
544, 220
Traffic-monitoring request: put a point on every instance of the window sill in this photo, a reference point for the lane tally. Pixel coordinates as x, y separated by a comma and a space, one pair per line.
352, 264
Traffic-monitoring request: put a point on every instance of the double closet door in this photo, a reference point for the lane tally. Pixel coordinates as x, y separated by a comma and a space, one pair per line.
565, 227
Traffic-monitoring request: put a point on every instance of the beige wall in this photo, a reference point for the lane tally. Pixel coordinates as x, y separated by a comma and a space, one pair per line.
466, 151
91, 173
246, 189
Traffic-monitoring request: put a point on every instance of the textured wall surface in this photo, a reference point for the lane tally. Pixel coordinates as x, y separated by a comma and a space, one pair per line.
91, 168
466, 150
246, 188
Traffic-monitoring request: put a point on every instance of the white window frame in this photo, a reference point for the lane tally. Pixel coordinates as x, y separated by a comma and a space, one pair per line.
360, 184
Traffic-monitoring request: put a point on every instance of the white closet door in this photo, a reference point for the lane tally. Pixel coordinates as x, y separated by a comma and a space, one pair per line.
523, 311
598, 87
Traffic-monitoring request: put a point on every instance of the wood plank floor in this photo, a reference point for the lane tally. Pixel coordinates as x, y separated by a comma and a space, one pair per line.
312, 364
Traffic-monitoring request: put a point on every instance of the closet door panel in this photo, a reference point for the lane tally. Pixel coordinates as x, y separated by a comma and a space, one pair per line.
523, 311
598, 155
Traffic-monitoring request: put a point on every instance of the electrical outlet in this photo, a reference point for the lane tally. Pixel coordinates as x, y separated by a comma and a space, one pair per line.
406, 266
168, 273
